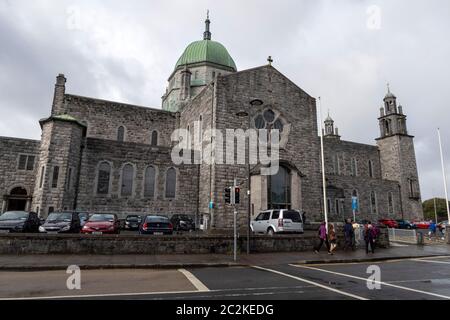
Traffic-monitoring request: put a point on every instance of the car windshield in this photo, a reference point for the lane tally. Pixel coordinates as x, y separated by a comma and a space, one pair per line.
14, 215
83, 216
184, 218
101, 217
153, 219
292, 215
64, 216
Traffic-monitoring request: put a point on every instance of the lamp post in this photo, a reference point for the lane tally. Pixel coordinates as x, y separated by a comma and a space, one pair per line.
253, 103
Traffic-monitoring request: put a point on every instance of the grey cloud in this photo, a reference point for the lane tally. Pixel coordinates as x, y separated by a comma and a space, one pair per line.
323, 46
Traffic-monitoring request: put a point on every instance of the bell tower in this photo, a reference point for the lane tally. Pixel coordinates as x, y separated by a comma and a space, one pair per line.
398, 158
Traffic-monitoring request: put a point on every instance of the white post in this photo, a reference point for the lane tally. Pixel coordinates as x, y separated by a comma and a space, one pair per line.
324, 181
235, 219
443, 174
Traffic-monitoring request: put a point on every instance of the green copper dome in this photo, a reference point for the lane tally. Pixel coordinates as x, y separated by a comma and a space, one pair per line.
206, 51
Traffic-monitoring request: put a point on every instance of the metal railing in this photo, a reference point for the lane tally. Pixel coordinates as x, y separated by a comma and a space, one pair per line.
403, 235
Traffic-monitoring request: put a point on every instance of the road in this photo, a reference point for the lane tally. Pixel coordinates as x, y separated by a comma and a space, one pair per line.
417, 279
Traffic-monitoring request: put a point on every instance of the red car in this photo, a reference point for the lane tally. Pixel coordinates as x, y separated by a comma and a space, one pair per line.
422, 224
102, 224
390, 223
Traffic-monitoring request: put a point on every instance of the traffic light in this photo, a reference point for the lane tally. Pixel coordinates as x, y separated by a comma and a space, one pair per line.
237, 195
227, 195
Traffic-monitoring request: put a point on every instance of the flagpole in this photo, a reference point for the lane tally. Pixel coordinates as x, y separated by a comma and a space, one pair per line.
324, 181
443, 174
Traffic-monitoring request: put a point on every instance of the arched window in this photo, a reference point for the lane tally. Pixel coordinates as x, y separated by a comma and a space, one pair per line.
127, 180
121, 134
390, 203
354, 164
18, 191
200, 136
371, 173
149, 182
103, 178
373, 202
171, 183
279, 190
154, 141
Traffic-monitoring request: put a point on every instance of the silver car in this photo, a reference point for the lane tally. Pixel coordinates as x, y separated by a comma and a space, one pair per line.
278, 221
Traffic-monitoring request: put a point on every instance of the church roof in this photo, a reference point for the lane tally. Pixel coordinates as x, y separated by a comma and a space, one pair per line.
206, 51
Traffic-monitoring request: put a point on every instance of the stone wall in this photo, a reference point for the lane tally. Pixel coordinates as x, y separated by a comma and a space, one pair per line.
135, 244
103, 118
140, 156
234, 93
10, 175
60, 150
399, 163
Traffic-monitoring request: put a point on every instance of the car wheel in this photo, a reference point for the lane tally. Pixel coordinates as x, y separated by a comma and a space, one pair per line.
270, 232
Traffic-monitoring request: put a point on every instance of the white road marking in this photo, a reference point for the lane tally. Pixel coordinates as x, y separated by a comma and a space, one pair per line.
430, 261
194, 280
374, 281
312, 283
101, 295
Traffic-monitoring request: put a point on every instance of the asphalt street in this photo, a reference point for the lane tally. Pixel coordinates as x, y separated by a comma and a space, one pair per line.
410, 279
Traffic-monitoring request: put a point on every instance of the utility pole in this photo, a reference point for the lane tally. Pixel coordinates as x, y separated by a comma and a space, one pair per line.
324, 181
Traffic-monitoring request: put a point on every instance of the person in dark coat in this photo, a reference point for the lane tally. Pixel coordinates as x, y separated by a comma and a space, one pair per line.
369, 237
348, 235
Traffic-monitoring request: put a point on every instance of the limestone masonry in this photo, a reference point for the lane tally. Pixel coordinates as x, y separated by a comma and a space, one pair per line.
109, 157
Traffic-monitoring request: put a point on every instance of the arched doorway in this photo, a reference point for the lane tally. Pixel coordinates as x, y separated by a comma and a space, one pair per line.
279, 189
17, 199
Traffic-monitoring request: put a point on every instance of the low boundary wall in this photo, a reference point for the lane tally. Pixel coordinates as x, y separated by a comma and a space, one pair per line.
136, 244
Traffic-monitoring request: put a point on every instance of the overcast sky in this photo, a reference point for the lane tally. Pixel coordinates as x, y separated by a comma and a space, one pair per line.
343, 51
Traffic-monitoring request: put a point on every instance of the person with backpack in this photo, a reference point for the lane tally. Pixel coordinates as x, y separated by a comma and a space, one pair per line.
322, 234
332, 238
369, 237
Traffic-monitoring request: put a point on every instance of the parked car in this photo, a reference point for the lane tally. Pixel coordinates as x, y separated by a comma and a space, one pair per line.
182, 222
405, 224
422, 225
84, 217
278, 221
61, 222
157, 225
19, 221
390, 223
102, 223
132, 222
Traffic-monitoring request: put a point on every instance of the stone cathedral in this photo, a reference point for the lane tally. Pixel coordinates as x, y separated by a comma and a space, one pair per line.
109, 157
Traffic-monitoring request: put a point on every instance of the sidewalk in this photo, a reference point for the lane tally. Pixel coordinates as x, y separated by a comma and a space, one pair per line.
61, 262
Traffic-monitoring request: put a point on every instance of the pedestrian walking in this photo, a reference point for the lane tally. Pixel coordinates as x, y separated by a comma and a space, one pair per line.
369, 237
303, 217
431, 230
332, 238
322, 234
348, 235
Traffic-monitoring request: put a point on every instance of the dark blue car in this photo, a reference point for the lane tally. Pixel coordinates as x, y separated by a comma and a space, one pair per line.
156, 225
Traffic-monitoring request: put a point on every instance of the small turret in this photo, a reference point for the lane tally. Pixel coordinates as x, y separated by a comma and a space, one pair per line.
185, 89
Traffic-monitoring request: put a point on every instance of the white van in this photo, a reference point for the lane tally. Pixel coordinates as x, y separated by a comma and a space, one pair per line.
278, 221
